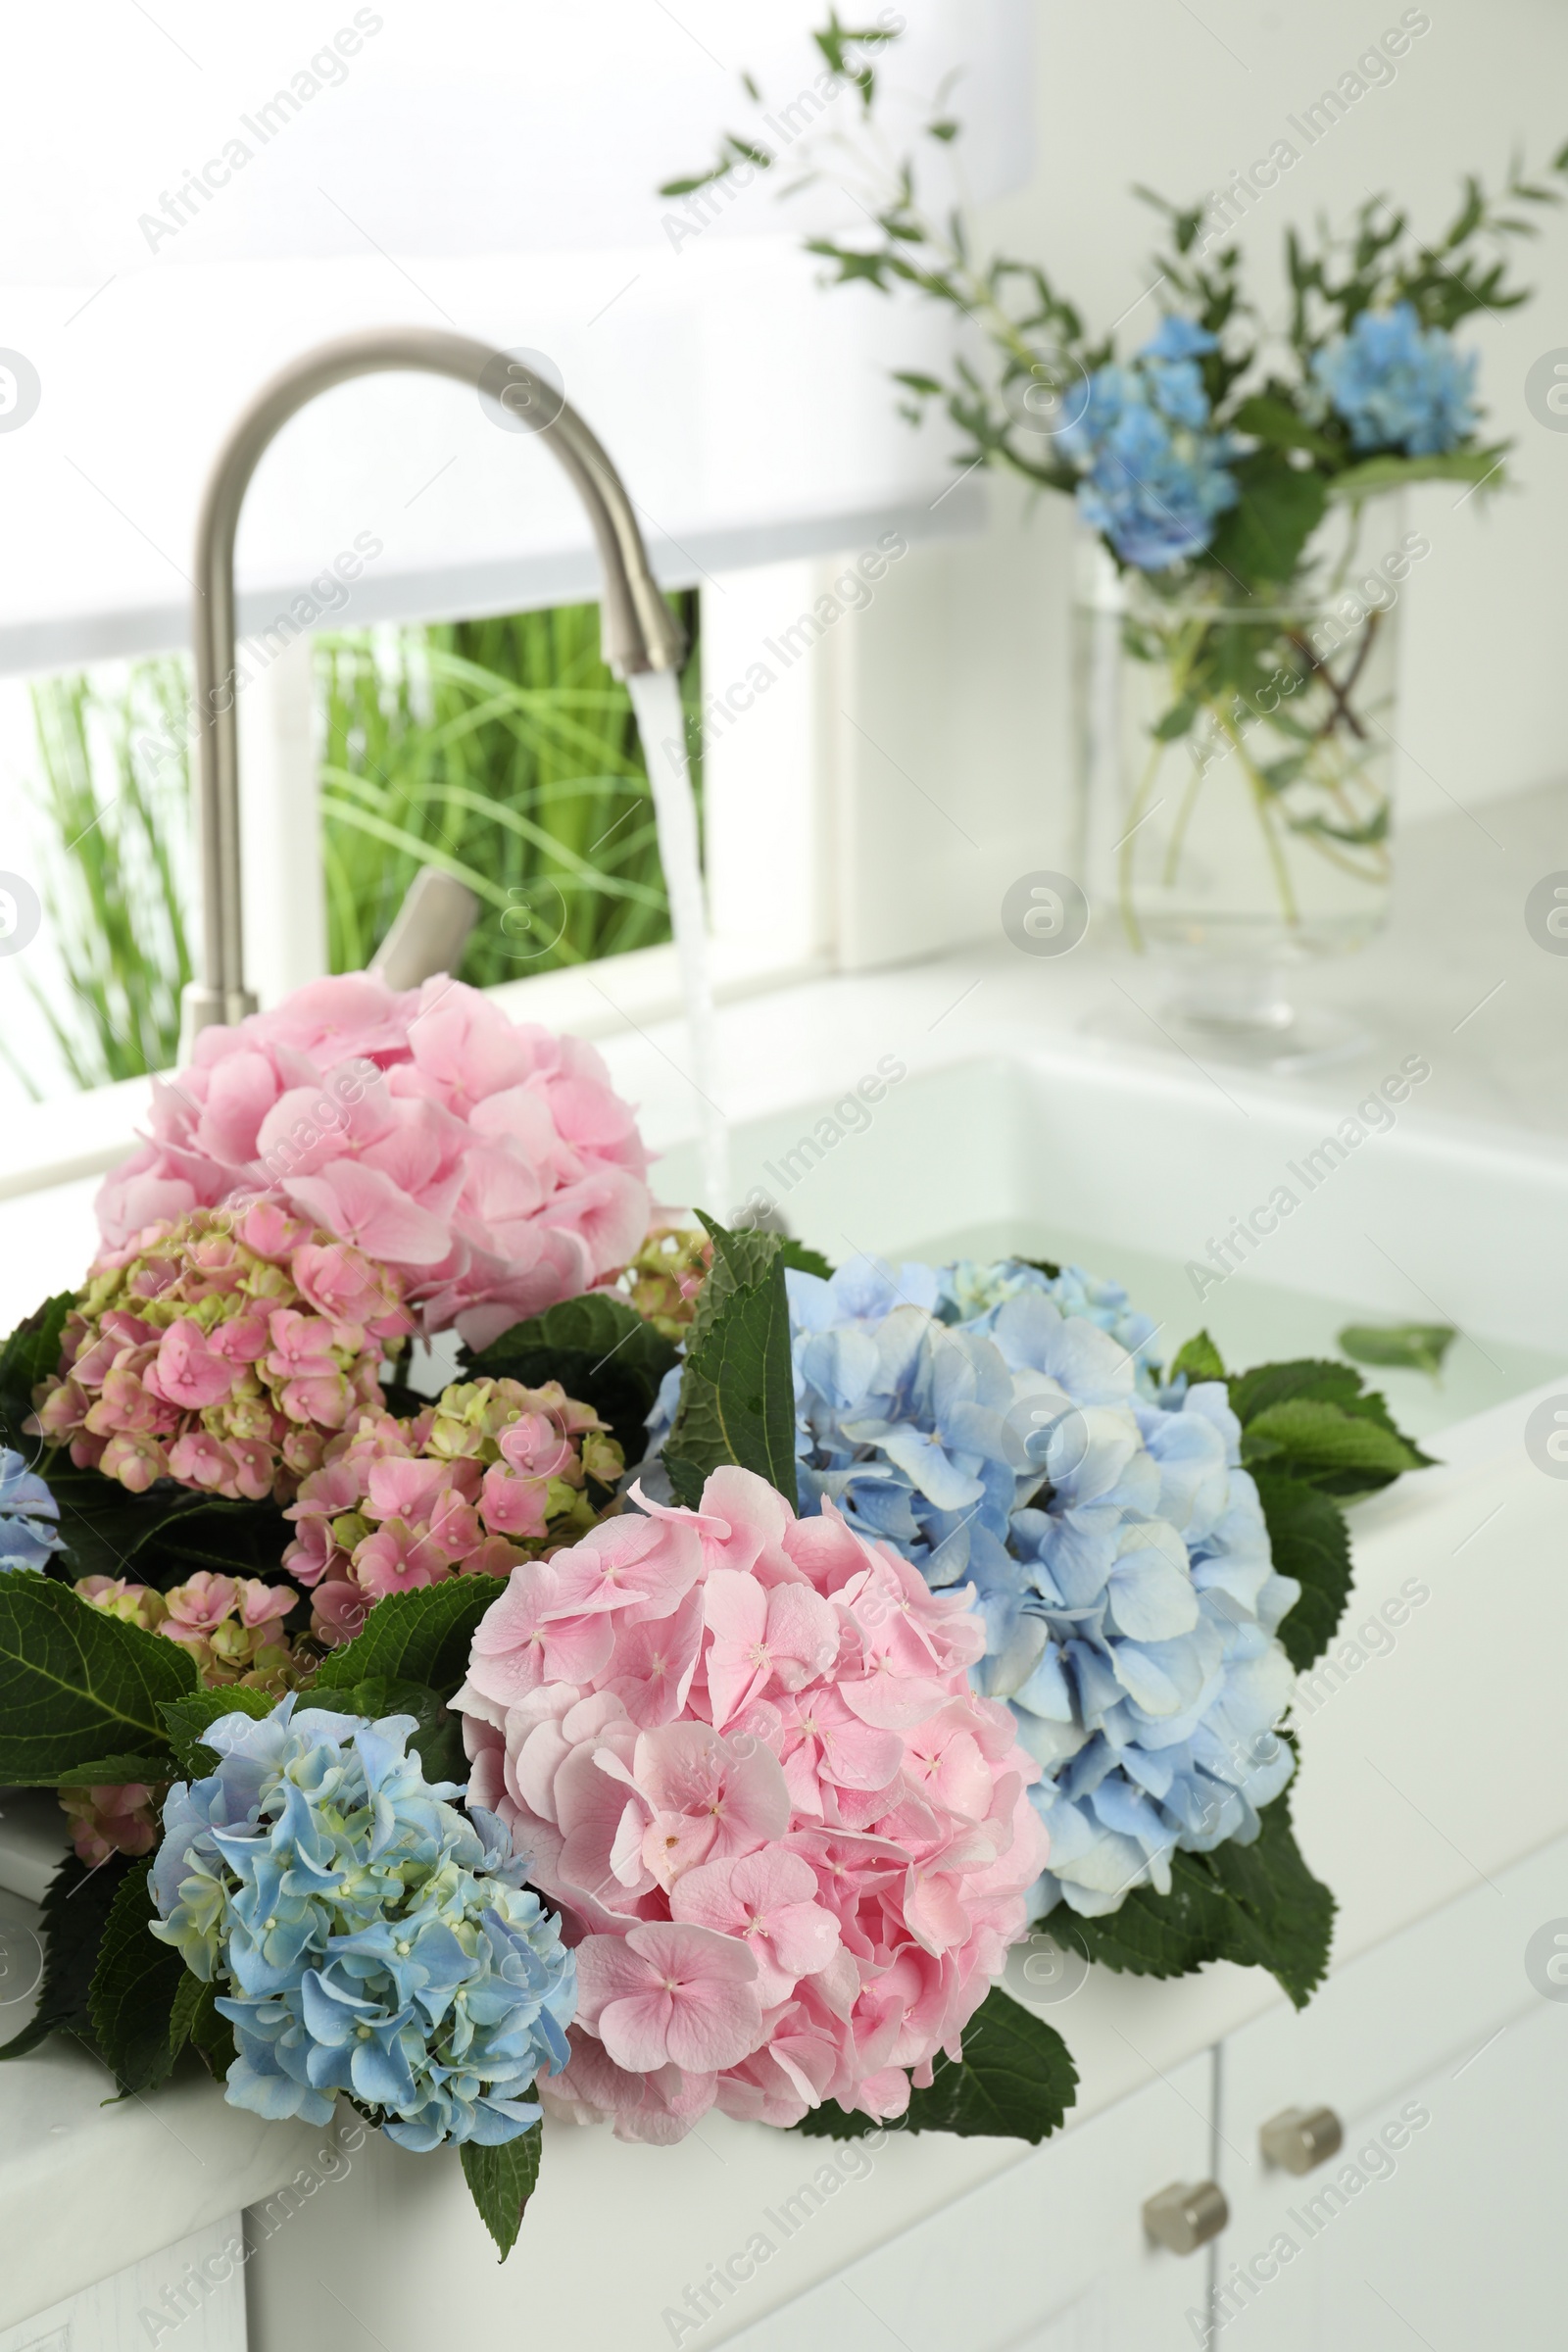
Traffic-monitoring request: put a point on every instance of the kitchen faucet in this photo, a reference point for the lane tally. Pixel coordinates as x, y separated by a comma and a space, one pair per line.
639, 631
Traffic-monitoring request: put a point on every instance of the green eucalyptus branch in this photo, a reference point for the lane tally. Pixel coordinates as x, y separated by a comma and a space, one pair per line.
1034, 340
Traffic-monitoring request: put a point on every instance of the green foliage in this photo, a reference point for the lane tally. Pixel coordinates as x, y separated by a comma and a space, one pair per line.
30, 1354
1199, 1359
231, 1538
603, 1352
74, 1913
804, 1261
501, 2181
76, 1685
1381, 261
1316, 1422
1309, 1539
187, 1719
115, 799
1319, 1440
159, 1537
212, 2036
737, 1393
1257, 1904
505, 752
1411, 1346
1271, 418
438, 1741
119, 1771
420, 1637
1009, 400
140, 2011
1311, 1434
1016, 2080
1263, 536
1373, 475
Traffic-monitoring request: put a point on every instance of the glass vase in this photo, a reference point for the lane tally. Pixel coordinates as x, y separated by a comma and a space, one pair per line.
1236, 763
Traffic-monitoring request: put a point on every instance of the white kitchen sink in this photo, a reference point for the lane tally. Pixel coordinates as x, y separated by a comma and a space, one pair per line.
1132, 1170
1004, 1137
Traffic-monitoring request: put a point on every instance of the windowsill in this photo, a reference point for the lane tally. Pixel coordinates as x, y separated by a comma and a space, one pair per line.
75, 1136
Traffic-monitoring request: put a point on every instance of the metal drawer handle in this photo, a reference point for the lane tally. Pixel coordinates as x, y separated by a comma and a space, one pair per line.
1300, 2137
1186, 2215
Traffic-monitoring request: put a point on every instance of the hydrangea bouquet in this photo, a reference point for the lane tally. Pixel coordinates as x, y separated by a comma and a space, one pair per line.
417, 1753
1226, 460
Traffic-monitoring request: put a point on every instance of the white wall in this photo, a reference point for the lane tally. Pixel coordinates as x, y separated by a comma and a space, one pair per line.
957, 674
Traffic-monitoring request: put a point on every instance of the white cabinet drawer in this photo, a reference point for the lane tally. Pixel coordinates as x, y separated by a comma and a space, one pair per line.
1439, 2220
1048, 2257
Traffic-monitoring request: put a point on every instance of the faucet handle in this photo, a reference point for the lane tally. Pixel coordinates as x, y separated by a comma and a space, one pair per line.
429, 930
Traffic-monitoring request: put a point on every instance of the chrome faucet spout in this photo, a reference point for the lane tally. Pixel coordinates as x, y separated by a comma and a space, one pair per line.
640, 632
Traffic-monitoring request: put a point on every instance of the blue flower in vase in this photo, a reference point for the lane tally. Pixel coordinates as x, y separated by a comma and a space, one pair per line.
1399, 386
1156, 479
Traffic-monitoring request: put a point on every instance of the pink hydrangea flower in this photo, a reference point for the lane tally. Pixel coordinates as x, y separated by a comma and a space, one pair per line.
195, 1354
488, 1162
113, 1820
232, 1627
791, 1843
395, 1504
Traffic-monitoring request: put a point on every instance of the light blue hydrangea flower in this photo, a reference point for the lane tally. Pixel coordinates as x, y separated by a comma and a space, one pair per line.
372, 1938
27, 1510
1155, 478
1399, 386
1004, 1428
972, 1291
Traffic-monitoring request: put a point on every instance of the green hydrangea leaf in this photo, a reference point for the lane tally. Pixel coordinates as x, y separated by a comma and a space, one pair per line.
29, 1355
745, 1256
1309, 1540
212, 2036
1257, 1904
1252, 1393
74, 1913
804, 1259
418, 1637
1315, 1440
1016, 2080
438, 1741
231, 1539
501, 2181
1315, 1446
109, 1532
187, 1719
1199, 1359
1411, 1347
121, 1772
1388, 472
77, 1683
187, 2007
1267, 418
137, 1989
1277, 510
736, 1393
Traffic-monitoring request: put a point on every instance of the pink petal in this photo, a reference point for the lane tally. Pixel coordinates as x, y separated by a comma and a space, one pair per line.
360, 1204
